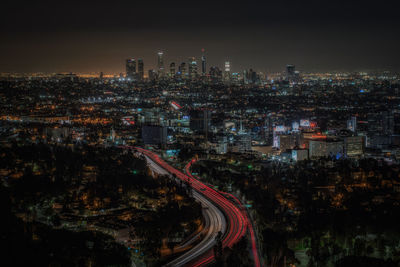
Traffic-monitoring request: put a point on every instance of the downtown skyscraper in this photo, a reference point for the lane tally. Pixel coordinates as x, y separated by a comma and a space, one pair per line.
203, 62
140, 70
172, 69
160, 64
192, 68
130, 68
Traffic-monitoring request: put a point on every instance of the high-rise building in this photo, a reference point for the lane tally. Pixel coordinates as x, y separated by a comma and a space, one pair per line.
354, 146
227, 66
290, 72
182, 69
250, 77
160, 64
130, 68
227, 71
287, 141
352, 124
140, 70
152, 75
242, 142
172, 70
203, 63
215, 74
192, 68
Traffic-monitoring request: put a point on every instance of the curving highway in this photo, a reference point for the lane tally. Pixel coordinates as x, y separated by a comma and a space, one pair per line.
253, 238
236, 223
217, 223
214, 222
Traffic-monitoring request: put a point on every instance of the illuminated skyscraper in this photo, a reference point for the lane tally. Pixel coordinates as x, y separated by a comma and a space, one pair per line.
290, 72
352, 124
152, 75
182, 69
227, 66
215, 74
192, 68
172, 70
140, 70
130, 68
227, 71
160, 64
203, 63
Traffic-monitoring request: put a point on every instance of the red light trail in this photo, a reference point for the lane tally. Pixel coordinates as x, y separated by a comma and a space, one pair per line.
244, 212
236, 221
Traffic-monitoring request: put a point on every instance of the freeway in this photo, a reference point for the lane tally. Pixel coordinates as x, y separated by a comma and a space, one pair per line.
236, 222
215, 222
253, 240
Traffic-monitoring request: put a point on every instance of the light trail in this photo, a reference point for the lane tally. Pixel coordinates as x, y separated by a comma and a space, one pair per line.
237, 223
244, 212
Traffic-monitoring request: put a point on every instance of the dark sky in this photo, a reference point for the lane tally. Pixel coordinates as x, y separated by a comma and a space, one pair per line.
93, 36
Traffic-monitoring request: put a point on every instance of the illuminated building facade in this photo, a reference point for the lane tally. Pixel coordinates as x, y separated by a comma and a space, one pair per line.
352, 124
290, 72
354, 146
160, 64
203, 63
192, 68
130, 68
140, 69
227, 71
172, 70
182, 69
325, 148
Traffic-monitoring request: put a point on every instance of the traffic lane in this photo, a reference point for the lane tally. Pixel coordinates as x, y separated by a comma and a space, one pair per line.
214, 215
236, 221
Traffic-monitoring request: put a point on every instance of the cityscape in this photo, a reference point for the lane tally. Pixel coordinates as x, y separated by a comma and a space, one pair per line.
199, 153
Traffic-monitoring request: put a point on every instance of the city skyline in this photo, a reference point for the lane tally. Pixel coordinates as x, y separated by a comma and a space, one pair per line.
84, 37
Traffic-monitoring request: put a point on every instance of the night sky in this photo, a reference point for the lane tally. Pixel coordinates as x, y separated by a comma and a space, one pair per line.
93, 36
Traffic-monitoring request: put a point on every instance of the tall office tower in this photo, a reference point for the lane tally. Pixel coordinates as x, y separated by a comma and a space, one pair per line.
290, 72
215, 74
352, 124
172, 69
101, 75
152, 75
227, 66
140, 70
268, 130
227, 71
254, 77
203, 63
250, 77
130, 68
160, 64
192, 68
235, 78
182, 69
245, 77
